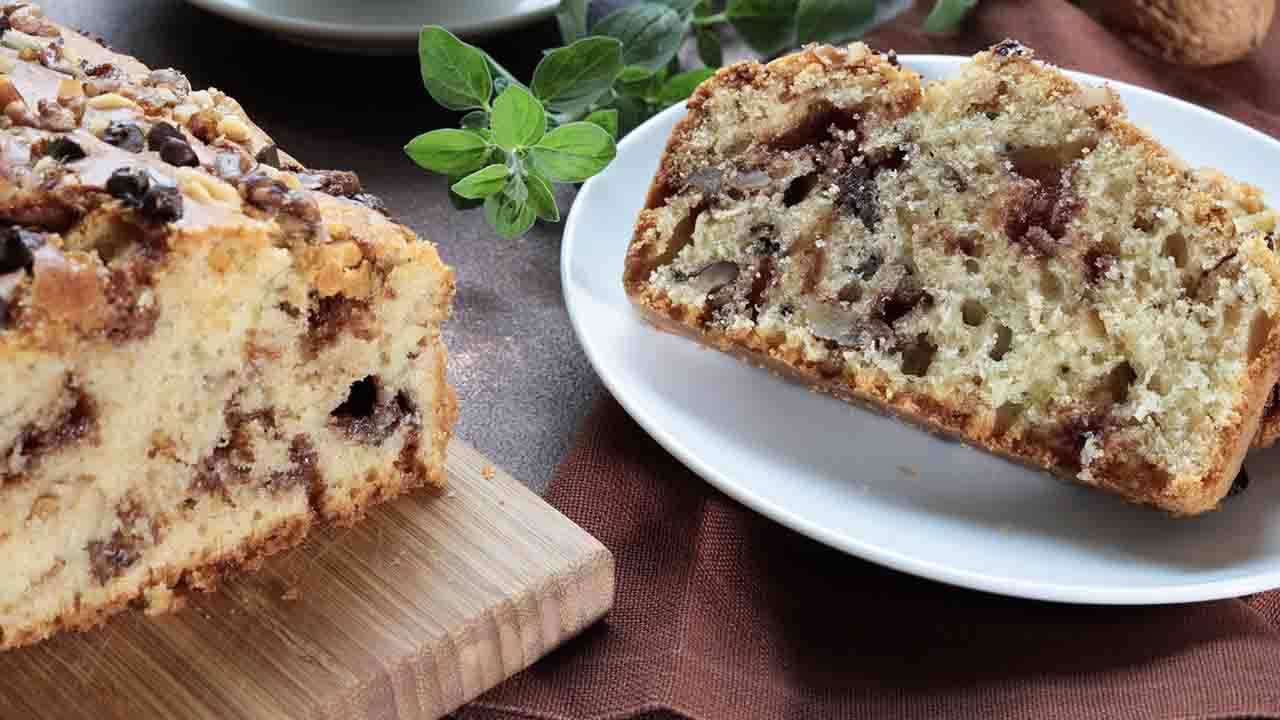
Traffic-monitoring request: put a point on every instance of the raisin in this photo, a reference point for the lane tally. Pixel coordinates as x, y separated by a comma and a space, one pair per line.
1097, 263
16, 246
125, 136
129, 186
163, 204
269, 156
178, 153
162, 132
64, 150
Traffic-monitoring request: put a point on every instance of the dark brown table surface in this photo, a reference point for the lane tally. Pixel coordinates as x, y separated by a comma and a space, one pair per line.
523, 382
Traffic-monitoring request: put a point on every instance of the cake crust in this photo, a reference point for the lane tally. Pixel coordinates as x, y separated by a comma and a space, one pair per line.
888, 122
207, 348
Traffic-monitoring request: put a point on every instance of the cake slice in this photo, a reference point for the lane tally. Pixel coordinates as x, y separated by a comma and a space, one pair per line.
1001, 256
205, 348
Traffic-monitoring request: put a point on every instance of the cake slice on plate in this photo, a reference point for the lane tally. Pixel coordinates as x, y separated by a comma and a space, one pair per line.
205, 348
1001, 256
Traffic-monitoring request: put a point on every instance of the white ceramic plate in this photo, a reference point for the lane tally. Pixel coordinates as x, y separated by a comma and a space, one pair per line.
377, 26
890, 493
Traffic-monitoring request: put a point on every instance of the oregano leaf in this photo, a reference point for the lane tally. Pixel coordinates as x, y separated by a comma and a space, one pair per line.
518, 119
947, 14
710, 51
766, 25
570, 79
572, 19
449, 151
509, 218
454, 73
573, 152
484, 182
650, 33
541, 198
607, 119
832, 21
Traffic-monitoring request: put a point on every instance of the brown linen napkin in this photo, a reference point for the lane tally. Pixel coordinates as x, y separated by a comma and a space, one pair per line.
722, 614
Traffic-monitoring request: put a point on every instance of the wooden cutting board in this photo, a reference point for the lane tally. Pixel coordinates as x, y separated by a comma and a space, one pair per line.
426, 604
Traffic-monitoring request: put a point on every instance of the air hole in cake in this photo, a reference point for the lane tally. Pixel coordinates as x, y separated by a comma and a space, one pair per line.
1144, 219
799, 189
972, 267
1114, 388
1045, 165
966, 244
973, 312
1175, 247
369, 414
1004, 342
821, 121
362, 400
681, 236
1259, 332
918, 356
1006, 415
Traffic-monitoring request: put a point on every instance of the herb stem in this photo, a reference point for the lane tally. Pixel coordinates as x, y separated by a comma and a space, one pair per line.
711, 19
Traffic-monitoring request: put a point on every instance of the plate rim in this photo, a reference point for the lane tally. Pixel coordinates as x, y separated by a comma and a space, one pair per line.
877, 553
333, 31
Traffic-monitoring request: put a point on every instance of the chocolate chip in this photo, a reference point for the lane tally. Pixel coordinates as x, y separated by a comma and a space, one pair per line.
125, 136
129, 186
179, 154
892, 305
162, 132
857, 195
163, 204
1097, 263
65, 150
269, 156
1009, 47
16, 246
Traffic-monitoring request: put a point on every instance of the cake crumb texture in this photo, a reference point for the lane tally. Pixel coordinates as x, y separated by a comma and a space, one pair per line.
1000, 256
206, 348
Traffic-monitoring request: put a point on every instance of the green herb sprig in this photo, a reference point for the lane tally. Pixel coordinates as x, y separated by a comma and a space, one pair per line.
516, 140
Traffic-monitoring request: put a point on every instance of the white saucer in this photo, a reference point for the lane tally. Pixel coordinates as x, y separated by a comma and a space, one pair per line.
890, 493
377, 26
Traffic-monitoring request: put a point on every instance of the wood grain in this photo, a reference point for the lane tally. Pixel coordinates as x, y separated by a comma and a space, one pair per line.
423, 606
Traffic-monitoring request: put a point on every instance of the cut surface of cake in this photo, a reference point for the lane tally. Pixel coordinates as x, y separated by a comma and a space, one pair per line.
205, 348
1000, 256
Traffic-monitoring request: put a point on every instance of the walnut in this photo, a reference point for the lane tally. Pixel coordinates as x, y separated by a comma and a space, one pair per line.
1189, 32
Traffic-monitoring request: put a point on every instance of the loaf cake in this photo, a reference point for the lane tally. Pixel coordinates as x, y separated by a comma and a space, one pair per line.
205, 348
1001, 256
